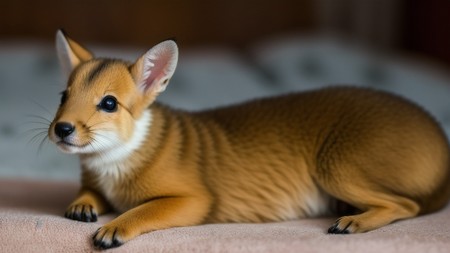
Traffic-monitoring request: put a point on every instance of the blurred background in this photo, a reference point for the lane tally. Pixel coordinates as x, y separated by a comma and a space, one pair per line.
229, 51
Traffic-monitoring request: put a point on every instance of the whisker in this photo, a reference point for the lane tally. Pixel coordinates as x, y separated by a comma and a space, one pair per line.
37, 123
39, 117
36, 119
99, 130
40, 138
41, 106
34, 139
39, 132
33, 130
38, 128
41, 144
105, 137
94, 128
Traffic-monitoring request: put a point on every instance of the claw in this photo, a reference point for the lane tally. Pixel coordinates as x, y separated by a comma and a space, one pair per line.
335, 229
105, 238
84, 213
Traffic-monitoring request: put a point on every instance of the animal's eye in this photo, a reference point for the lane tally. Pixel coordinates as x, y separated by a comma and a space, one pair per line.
63, 97
108, 104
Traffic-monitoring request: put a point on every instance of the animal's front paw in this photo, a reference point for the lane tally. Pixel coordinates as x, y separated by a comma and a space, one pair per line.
108, 237
81, 212
344, 225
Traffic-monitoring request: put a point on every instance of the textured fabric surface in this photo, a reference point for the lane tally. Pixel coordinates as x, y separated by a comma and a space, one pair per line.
31, 221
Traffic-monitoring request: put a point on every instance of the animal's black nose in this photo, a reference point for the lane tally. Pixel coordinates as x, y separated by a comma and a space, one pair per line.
64, 129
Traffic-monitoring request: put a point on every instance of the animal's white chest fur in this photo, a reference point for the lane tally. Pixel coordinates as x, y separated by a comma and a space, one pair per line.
110, 187
112, 166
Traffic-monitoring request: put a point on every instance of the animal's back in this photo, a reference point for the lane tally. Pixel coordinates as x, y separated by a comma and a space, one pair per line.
284, 157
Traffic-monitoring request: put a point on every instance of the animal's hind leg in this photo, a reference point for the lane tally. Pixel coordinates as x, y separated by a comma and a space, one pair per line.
379, 209
372, 184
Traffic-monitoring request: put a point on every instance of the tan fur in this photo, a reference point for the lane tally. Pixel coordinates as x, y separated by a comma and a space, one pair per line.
271, 159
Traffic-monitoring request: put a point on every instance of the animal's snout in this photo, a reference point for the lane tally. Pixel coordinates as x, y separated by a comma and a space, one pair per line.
64, 129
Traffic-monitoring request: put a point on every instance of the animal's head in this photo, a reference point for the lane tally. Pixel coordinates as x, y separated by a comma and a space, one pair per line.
105, 100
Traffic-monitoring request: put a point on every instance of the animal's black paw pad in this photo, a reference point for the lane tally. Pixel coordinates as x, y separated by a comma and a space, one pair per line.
81, 212
106, 238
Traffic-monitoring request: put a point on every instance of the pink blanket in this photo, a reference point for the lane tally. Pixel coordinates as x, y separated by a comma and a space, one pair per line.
31, 221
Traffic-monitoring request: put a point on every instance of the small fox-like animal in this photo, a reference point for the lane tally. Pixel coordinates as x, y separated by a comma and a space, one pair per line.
273, 159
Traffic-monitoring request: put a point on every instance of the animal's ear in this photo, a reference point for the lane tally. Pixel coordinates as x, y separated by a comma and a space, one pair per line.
152, 71
70, 53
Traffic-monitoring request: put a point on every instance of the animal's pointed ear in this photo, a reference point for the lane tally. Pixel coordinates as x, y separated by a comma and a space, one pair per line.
153, 70
70, 53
